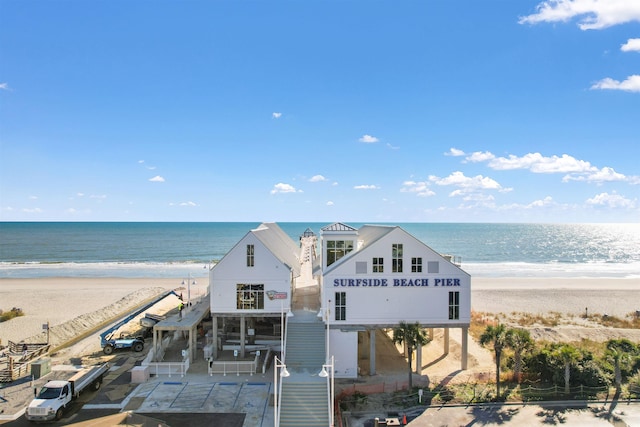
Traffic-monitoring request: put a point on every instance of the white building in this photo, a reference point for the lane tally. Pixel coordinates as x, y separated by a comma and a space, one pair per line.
369, 278
254, 280
378, 276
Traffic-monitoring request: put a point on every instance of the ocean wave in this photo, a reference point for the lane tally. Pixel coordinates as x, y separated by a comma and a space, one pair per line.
32, 270
603, 269
199, 269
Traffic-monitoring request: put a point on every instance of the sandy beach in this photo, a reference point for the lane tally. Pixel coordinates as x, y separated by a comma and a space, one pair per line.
59, 300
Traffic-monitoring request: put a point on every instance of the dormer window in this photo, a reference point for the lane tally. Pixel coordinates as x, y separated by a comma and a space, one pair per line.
336, 249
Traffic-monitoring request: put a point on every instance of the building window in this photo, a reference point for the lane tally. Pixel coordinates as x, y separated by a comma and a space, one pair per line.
433, 267
396, 258
378, 265
250, 256
341, 306
336, 249
416, 265
454, 305
249, 297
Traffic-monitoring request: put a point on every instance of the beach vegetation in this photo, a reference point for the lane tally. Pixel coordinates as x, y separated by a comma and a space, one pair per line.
564, 363
519, 340
622, 353
496, 337
11, 314
479, 322
630, 321
412, 336
550, 319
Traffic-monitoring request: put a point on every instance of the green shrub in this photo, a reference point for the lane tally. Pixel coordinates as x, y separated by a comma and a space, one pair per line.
8, 315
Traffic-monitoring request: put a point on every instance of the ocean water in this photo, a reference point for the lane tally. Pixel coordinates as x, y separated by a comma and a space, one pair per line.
173, 250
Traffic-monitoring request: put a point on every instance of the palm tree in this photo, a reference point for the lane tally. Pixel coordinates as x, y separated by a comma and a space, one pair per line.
619, 350
497, 336
569, 355
520, 341
413, 336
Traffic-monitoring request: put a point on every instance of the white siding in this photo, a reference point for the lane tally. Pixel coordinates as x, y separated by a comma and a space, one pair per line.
404, 298
345, 351
232, 269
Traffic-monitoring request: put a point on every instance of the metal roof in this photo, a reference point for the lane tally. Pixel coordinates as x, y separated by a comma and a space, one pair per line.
279, 244
338, 226
308, 233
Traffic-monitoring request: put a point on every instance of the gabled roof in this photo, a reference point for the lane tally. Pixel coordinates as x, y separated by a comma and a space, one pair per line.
370, 233
279, 244
338, 226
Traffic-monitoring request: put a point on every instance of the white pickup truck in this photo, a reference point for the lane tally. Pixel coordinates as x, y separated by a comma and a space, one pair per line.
55, 396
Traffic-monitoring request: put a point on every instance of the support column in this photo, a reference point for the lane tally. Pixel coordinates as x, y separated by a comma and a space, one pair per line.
446, 341
243, 330
214, 334
155, 345
372, 351
465, 350
419, 360
191, 346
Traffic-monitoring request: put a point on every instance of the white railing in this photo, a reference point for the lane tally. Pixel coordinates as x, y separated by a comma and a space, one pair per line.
237, 367
165, 368
169, 368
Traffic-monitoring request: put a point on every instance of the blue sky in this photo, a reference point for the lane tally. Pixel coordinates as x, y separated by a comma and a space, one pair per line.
367, 111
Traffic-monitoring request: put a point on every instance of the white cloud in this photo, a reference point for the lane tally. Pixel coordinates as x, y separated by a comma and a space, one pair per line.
329, 203
368, 139
631, 84
421, 188
33, 197
605, 174
467, 184
540, 203
611, 200
392, 147
189, 203
284, 188
454, 152
148, 167
632, 45
98, 196
576, 170
317, 178
535, 162
4, 86
276, 115
157, 178
591, 14
479, 199
34, 210
547, 201
366, 187
480, 156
